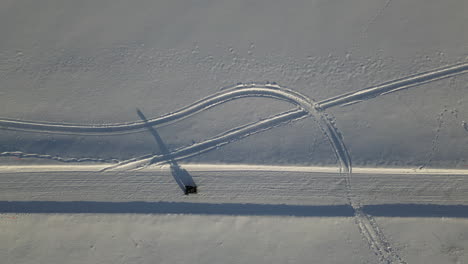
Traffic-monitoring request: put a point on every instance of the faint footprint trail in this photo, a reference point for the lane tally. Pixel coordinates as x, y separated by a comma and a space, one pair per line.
19, 154
367, 225
435, 140
374, 18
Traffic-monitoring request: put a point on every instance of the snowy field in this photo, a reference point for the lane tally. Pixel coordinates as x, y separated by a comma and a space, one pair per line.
313, 131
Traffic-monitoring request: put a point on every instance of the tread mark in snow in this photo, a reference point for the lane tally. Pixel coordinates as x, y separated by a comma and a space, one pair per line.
396, 85
238, 91
367, 225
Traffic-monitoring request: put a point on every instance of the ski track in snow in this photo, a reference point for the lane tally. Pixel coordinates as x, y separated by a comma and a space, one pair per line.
366, 224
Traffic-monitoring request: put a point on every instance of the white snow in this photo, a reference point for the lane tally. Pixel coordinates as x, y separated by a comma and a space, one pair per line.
275, 195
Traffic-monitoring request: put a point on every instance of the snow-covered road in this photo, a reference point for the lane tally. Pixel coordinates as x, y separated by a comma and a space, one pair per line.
234, 184
260, 214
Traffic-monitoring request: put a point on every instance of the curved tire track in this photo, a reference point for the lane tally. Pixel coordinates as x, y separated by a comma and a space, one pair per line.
236, 92
243, 90
214, 142
367, 226
208, 102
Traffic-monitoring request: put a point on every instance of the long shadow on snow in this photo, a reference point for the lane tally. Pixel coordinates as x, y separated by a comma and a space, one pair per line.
181, 176
173, 208
417, 210
83, 207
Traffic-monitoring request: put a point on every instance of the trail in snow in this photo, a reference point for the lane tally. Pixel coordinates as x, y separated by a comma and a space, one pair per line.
191, 150
20, 154
393, 86
212, 143
235, 92
366, 223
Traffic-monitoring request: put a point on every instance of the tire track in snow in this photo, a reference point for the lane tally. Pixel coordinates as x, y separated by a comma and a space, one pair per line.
235, 92
215, 142
366, 223
393, 86
374, 236
239, 91
222, 139
190, 150
253, 90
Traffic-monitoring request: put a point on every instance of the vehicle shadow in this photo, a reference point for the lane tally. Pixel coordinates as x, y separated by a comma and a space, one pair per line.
181, 176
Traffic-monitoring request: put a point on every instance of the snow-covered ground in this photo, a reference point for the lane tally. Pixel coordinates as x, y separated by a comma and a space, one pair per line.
118, 238
265, 214
316, 131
